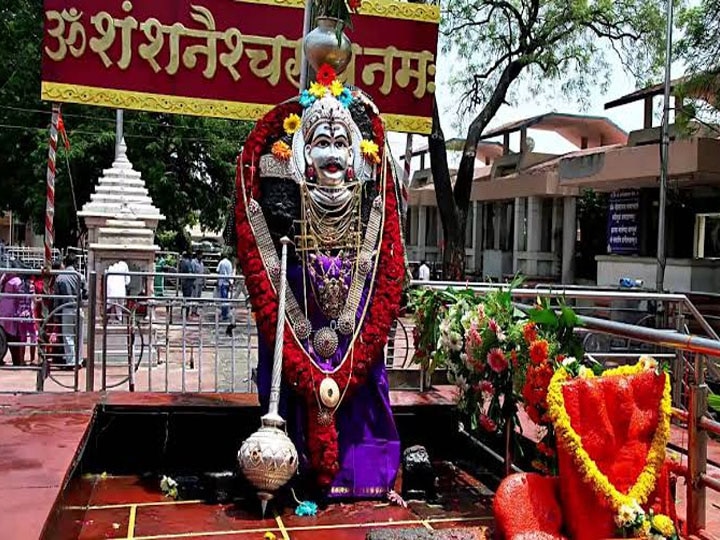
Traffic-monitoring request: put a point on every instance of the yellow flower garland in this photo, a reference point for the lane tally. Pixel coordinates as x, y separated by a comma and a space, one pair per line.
588, 469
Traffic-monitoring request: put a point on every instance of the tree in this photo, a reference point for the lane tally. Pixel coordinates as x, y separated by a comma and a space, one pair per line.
699, 50
188, 163
543, 44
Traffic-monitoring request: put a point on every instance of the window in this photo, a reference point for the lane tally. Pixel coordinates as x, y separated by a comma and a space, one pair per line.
707, 236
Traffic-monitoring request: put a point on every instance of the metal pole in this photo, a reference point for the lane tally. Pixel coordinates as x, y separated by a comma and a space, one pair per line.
119, 131
664, 153
91, 322
304, 68
50, 195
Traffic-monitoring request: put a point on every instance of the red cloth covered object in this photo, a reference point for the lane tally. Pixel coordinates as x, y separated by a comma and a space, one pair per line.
616, 418
526, 506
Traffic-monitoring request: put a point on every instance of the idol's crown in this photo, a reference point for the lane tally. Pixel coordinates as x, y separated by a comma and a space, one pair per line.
326, 109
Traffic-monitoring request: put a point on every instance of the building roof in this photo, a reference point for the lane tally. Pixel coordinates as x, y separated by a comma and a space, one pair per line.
696, 91
572, 127
485, 148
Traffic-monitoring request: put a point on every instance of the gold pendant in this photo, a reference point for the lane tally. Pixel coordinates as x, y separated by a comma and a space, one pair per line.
329, 393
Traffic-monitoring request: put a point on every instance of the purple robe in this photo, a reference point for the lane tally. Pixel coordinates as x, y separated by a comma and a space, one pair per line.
368, 441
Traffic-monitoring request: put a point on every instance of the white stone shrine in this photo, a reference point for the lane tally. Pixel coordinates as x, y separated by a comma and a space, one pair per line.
121, 220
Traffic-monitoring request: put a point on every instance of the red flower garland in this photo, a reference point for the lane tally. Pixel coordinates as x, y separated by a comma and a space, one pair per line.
298, 370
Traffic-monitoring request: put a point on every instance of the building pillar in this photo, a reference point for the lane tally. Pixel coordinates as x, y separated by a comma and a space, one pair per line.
569, 237
518, 218
473, 242
422, 219
534, 233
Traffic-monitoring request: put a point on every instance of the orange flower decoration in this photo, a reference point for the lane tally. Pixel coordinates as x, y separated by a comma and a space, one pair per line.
281, 150
530, 332
539, 351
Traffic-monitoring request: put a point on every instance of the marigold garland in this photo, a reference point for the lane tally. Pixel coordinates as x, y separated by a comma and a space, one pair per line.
588, 469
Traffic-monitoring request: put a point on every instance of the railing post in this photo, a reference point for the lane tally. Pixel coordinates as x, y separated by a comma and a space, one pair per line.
104, 310
92, 315
697, 449
678, 369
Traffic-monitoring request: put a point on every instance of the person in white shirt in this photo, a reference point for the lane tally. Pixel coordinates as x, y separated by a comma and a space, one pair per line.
424, 272
116, 288
225, 271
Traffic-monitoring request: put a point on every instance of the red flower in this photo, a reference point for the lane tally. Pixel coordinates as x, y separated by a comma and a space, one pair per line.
486, 387
530, 332
487, 423
354, 5
497, 361
326, 75
539, 351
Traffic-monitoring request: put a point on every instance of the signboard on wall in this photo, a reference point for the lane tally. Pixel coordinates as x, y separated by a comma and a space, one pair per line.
623, 219
230, 58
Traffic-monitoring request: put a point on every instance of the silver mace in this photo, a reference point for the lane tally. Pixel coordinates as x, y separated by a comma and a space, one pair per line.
268, 457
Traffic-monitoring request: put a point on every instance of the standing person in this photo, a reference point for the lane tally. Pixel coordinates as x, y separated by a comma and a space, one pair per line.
25, 315
225, 271
11, 287
67, 288
198, 268
424, 272
116, 285
187, 284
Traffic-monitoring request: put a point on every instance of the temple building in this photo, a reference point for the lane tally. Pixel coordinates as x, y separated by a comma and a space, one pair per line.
586, 216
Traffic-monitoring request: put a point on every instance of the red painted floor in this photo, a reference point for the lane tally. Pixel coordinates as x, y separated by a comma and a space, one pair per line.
125, 507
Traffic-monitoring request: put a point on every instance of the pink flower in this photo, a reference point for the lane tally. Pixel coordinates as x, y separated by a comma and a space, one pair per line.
481, 312
487, 423
497, 361
493, 325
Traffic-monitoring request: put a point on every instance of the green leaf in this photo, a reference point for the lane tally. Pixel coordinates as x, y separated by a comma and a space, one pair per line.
714, 402
544, 317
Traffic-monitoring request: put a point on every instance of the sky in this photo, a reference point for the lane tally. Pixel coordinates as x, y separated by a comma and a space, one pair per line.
628, 117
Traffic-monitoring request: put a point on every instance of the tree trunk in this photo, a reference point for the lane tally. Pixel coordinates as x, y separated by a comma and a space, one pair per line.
453, 263
454, 203
454, 259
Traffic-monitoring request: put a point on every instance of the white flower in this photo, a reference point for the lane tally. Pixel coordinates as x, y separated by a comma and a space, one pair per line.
628, 514
648, 363
466, 320
455, 341
167, 483
657, 537
461, 381
569, 361
451, 376
585, 373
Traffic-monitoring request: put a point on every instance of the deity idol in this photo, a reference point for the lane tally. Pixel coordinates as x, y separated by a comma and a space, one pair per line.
315, 170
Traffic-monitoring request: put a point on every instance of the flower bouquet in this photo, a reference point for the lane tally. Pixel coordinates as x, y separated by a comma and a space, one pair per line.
499, 356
